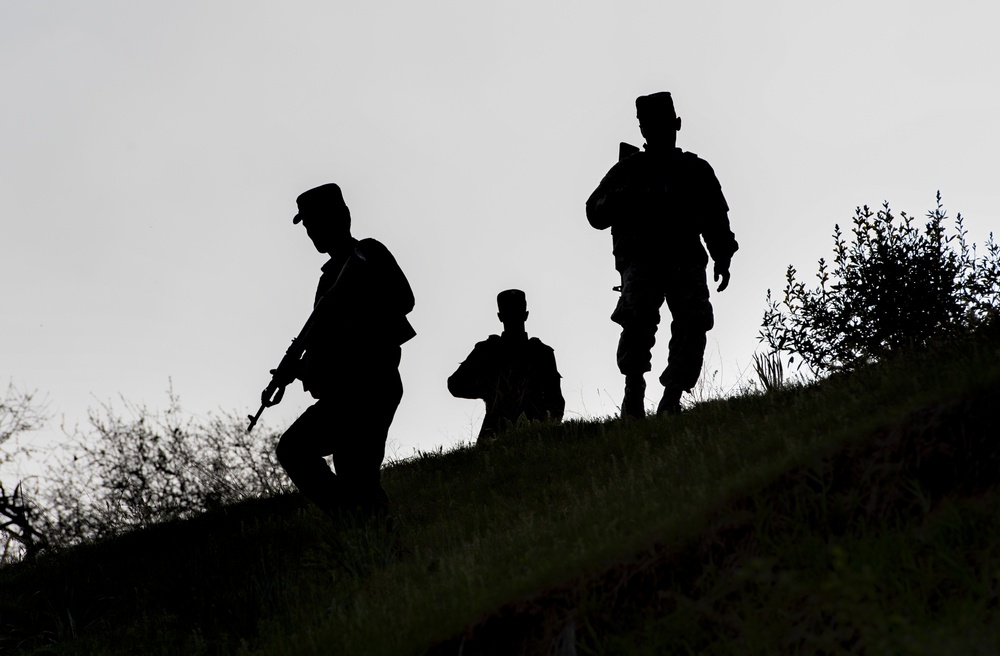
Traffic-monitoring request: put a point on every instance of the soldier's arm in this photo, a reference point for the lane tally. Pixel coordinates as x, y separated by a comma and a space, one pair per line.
715, 229
555, 404
387, 282
385, 296
397, 283
462, 383
722, 258
468, 381
608, 202
719, 238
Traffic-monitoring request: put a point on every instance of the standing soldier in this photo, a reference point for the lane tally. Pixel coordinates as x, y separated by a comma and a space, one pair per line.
660, 203
513, 374
350, 363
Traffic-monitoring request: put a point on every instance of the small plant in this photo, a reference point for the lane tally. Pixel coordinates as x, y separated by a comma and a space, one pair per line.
770, 371
894, 285
138, 467
19, 528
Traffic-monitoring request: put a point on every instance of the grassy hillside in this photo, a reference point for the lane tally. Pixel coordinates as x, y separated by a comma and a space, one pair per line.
854, 515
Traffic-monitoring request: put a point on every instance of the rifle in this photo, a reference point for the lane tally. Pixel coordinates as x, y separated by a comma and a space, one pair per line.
287, 369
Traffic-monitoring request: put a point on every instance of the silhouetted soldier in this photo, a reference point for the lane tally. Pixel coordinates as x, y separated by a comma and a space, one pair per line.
513, 374
660, 203
350, 364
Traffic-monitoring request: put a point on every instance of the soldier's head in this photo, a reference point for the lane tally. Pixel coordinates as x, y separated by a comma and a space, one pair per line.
326, 217
513, 309
658, 121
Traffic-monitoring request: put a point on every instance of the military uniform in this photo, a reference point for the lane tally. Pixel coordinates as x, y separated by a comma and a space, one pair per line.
514, 374
514, 377
360, 327
660, 206
351, 366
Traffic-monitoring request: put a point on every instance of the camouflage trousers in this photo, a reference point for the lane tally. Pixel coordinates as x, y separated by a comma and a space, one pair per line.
638, 313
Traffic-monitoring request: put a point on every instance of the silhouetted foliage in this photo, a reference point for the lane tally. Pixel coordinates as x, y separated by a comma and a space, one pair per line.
893, 285
145, 467
19, 535
769, 370
126, 470
18, 521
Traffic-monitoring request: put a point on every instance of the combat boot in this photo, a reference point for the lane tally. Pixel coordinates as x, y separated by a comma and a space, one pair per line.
670, 402
634, 403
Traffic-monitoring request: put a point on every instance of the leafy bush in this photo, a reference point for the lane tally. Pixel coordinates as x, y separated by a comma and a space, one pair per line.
893, 286
145, 467
126, 470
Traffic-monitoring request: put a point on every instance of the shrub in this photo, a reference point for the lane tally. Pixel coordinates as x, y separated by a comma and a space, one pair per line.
19, 534
144, 467
893, 285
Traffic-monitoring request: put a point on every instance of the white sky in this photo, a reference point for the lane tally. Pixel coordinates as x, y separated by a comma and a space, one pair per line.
151, 153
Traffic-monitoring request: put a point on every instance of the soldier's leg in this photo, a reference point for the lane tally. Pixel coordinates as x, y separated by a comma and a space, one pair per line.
302, 449
691, 319
358, 457
638, 313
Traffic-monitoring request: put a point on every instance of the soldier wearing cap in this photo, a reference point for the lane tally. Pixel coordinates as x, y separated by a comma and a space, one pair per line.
350, 365
513, 374
660, 203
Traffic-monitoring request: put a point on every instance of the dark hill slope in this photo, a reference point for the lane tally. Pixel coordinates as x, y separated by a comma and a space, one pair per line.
889, 545
857, 514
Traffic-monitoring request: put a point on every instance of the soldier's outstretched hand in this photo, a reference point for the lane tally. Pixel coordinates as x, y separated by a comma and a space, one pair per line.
722, 271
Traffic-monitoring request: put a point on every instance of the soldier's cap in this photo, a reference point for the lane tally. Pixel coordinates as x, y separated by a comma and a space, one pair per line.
655, 105
511, 300
325, 199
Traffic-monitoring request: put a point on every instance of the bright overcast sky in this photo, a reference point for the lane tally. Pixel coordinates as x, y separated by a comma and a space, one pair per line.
151, 153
